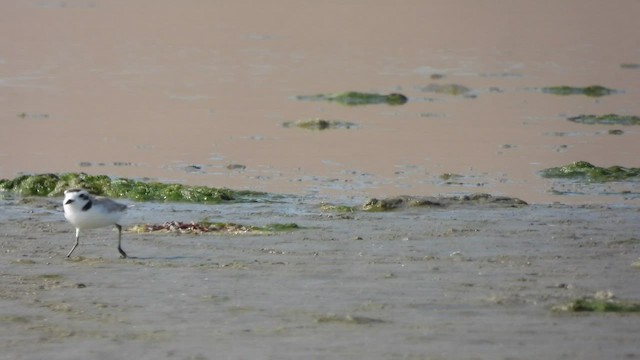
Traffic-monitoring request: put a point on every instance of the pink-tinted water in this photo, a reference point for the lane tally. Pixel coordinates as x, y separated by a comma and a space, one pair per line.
177, 91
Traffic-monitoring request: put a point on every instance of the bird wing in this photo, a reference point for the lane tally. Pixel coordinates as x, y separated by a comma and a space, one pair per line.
109, 204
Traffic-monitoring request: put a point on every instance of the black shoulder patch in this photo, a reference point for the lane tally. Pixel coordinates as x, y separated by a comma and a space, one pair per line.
87, 206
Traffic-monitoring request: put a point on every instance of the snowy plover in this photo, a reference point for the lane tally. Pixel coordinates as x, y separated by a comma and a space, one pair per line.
85, 211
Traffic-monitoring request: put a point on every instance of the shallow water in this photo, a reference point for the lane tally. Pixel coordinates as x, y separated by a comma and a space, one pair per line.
181, 92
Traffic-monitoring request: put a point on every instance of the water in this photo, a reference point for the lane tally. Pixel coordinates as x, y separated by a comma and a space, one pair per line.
179, 92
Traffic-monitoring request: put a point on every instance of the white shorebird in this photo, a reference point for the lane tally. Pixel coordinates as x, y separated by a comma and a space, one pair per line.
85, 211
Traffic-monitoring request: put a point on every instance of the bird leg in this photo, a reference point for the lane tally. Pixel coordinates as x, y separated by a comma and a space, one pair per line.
122, 253
77, 242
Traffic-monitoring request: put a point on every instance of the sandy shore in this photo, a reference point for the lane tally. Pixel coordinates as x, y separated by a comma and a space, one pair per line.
466, 283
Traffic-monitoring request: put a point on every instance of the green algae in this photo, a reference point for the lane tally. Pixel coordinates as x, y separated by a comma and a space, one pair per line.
608, 119
449, 89
358, 98
596, 305
591, 91
337, 208
31, 185
280, 227
56, 184
472, 200
236, 167
450, 176
582, 170
320, 124
389, 204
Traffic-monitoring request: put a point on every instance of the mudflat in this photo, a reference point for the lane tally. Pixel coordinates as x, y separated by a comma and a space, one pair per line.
245, 95
415, 283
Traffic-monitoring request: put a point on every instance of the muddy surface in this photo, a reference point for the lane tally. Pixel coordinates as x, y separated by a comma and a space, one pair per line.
415, 283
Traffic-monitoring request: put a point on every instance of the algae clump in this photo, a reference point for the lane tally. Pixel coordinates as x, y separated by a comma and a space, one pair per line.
320, 124
592, 91
358, 98
582, 170
596, 305
450, 89
28, 185
589, 304
279, 227
471, 200
56, 184
608, 119
337, 208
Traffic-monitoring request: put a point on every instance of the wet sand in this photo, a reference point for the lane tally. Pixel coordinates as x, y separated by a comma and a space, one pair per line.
465, 283
148, 89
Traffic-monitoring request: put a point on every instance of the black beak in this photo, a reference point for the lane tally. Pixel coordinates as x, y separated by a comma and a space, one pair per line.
68, 201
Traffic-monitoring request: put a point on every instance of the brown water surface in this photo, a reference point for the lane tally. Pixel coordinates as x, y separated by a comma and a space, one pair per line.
150, 88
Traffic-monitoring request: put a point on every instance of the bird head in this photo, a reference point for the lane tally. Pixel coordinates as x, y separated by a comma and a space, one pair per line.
76, 198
